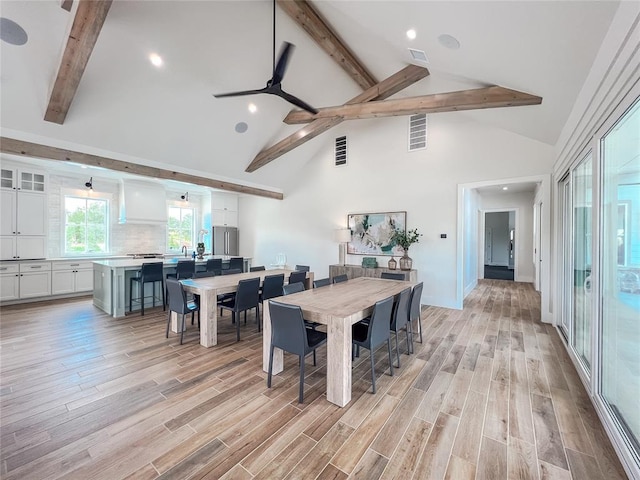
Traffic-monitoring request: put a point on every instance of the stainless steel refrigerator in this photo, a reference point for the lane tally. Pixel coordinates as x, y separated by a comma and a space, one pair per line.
225, 241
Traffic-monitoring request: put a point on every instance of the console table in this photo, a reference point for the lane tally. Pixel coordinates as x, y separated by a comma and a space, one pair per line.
354, 271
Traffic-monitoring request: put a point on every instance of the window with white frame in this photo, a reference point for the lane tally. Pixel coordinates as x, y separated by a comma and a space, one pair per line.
86, 225
180, 228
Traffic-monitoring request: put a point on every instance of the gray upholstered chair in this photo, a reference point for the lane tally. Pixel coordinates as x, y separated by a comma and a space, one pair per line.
340, 278
149, 273
178, 303
289, 333
321, 282
392, 276
399, 320
414, 307
246, 298
376, 332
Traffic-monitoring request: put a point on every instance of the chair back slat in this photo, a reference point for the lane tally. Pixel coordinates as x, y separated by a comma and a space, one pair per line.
380, 321
287, 327
185, 269
292, 288
152, 272
414, 309
272, 286
248, 294
302, 268
177, 296
214, 265
392, 276
236, 263
296, 277
400, 314
321, 282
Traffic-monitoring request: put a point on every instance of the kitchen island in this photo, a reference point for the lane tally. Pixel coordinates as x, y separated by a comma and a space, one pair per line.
111, 280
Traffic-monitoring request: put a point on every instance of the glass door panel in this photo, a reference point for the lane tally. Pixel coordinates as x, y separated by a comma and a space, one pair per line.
581, 188
566, 258
620, 282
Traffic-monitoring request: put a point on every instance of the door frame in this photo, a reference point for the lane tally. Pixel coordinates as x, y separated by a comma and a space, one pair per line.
481, 243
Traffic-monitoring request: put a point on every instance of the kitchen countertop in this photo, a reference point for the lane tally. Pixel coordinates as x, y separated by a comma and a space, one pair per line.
136, 262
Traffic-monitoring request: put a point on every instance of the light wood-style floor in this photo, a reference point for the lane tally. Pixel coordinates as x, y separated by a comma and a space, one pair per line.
490, 394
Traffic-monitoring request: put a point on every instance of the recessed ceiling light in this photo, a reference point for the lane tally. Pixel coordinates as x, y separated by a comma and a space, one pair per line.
155, 59
505, 188
241, 127
449, 41
253, 108
11, 32
411, 34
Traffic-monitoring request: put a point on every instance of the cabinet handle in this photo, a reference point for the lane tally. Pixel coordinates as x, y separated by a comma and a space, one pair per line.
19, 233
74, 265
3, 268
38, 266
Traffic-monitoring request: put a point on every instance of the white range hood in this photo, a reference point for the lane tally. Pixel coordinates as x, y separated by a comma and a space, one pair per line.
142, 202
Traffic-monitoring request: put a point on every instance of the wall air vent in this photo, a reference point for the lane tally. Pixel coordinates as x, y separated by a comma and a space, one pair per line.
418, 132
341, 151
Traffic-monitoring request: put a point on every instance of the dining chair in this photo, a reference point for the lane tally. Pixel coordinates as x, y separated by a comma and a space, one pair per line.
296, 277
321, 282
231, 271
296, 288
236, 263
257, 269
414, 307
375, 333
290, 288
302, 268
151, 272
246, 298
178, 303
400, 320
272, 287
340, 278
392, 276
204, 274
289, 333
214, 265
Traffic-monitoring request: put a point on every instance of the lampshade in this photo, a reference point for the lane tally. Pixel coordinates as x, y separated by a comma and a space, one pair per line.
342, 235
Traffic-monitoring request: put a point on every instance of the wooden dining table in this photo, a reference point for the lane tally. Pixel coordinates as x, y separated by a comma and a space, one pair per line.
208, 288
337, 306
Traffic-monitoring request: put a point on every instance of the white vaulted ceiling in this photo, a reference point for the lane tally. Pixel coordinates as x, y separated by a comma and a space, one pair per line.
129, 110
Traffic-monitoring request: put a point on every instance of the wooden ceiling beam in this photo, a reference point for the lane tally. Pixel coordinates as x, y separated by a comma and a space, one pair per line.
489, 97
87, 23
389, 86
311, 22
36, 150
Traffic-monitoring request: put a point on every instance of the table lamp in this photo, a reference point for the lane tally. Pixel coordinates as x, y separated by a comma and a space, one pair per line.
342, 236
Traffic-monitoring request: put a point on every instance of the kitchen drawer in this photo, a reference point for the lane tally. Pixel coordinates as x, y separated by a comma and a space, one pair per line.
71, 265
9, 268
26, 267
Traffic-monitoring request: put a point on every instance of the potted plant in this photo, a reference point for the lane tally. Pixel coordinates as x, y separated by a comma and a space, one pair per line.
404, 239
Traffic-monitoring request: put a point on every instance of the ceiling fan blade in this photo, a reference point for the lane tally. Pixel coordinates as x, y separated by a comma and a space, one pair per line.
240, 93
296, 101
283, 60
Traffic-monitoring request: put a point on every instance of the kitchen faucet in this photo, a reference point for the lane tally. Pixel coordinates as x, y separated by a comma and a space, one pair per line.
184, 249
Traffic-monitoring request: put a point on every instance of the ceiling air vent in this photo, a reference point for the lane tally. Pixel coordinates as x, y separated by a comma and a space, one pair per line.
418, 132
341, 151
418, 55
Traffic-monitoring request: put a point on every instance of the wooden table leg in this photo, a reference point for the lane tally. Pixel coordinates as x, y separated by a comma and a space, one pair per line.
339, 361
278, 356
208, 318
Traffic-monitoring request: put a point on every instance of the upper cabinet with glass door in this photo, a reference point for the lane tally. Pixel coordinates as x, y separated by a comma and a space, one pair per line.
23, 179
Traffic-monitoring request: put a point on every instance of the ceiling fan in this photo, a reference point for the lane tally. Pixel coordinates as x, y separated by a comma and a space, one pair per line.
274, 84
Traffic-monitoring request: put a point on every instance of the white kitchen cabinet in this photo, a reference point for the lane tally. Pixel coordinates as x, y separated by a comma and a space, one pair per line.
9, 282
224, 209
35, 279
23, 179
24, 216
71, 277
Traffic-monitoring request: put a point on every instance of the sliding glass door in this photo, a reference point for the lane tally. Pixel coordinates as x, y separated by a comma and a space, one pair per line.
581, 300
620, 272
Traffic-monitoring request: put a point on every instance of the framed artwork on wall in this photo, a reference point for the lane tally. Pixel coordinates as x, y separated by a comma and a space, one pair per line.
371, 233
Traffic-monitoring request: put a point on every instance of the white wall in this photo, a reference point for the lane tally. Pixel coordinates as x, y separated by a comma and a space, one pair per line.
382, 176
523, 203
